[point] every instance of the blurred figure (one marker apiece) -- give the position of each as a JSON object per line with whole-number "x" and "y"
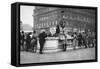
{"x": 42, "y": 37}
{"x": 75, "y": 42}
{"x": 57, "y": 29}
{"x": 28, "y": 41}
{"x": 25, "y": 37}
{"x": 84, "y": 39}
{"x": 79, "y": 40}
{"x": 94, "y": 39}
{"x": 34, "y": 42}
{"x": 91, "y": 39}
{"x": 22, "y": 40}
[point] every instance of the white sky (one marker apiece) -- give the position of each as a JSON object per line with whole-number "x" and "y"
{"x": 26, "y": 13}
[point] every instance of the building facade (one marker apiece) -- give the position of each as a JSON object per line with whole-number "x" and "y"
{"x": 75, "y": 19}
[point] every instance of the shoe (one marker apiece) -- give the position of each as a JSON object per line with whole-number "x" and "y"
{"x": 64, "y": 50}
{"x": 41, "y": 53}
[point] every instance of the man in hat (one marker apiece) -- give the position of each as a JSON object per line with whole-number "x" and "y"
{"x": 42, "y": 37}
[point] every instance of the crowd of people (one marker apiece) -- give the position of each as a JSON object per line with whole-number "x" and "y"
{"x": 29, "y": 43}
{"x": 79, "y": 39}
{"x": 83, "y": 39}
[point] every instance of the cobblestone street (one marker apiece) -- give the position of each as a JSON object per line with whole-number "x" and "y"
{"x": 70, "y": 55}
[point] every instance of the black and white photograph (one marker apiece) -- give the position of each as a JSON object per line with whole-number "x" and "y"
{"x": 56, "y": 34}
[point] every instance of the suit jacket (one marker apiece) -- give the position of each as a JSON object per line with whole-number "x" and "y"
{"x": 42, "y": 36}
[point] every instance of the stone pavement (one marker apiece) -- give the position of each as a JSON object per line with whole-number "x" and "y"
{"x": 70, "y": 55}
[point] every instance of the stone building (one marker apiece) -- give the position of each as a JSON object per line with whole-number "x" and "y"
{"x": 75, "y": 19}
